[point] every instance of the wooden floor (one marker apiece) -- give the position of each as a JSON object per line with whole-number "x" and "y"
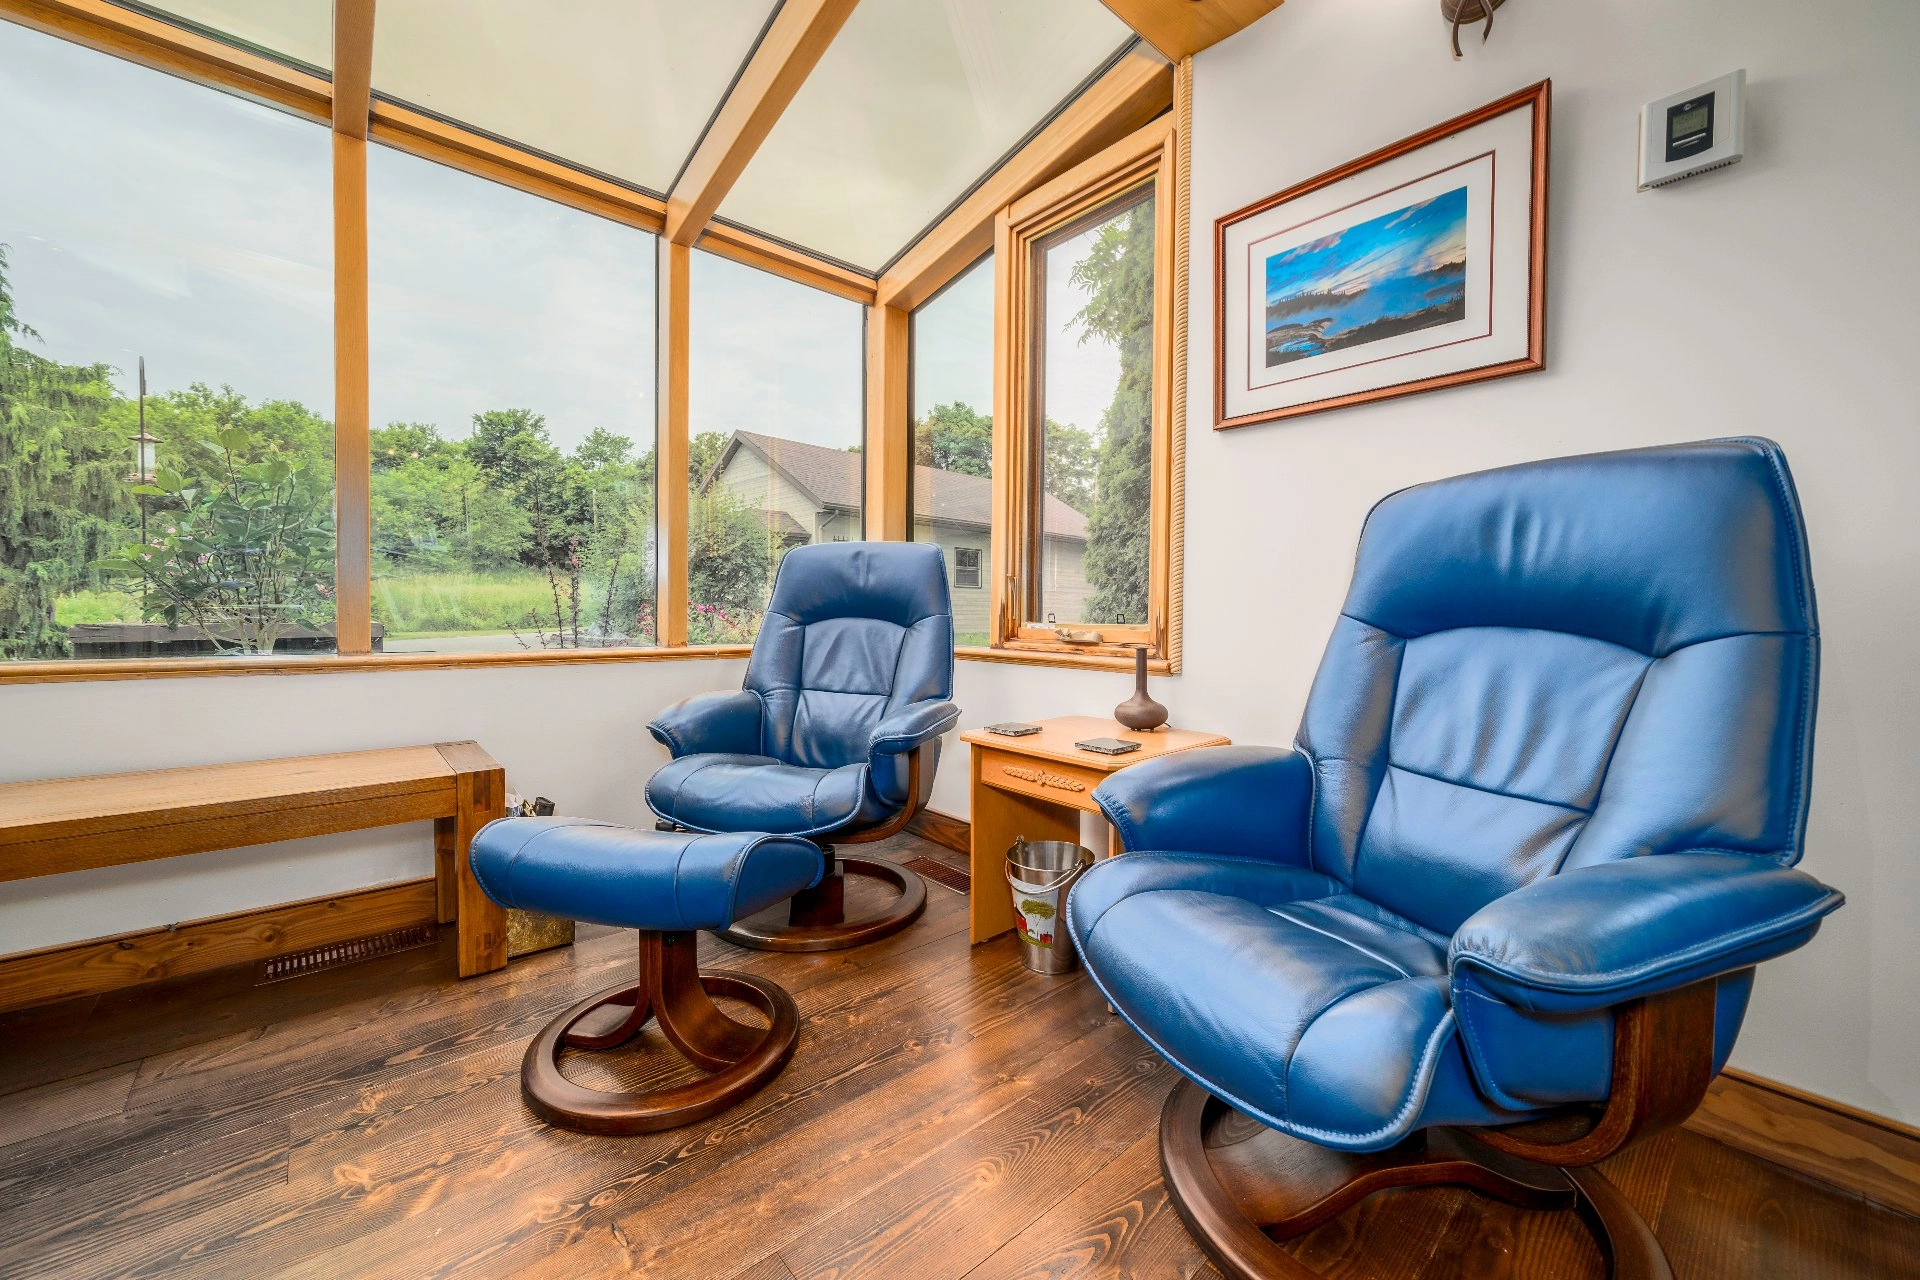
{"x": 947, "y": 1114}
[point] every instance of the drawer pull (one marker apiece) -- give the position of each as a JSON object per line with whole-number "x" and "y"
{"x": 1040, "y": 777}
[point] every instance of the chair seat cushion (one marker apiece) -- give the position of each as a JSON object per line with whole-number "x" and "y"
{"x": 604, "y": 873}
{"x": 1282, "y": 993}
{"x": 759, "y": 793}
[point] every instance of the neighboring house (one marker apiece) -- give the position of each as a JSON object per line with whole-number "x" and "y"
{"x": 812, "y": 494}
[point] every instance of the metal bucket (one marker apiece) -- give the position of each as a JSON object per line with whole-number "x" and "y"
{"x": 1039, "y": 873}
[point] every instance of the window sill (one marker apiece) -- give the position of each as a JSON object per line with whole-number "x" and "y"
{"x": 1062, "y": 657}
{"x": 164, "y": 668}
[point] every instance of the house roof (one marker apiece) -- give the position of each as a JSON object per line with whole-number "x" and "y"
{"x": 832, "y": 478}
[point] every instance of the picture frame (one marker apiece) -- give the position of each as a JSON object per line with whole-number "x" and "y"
{"x": 1417, "y": 266}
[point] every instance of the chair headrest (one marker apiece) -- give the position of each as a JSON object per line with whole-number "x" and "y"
{"x": 897, "y": 582}
{"x": 1653, "y": 549}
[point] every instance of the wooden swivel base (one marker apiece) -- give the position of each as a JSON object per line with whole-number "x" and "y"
{"x": 1239, "y": 1186}
{"x": 817, "y": 917}
{"x": 673, "y": 992}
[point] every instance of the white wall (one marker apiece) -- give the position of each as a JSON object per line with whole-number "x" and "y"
{"x": 575, "y": 733}
{"x": 1789, "y": 282}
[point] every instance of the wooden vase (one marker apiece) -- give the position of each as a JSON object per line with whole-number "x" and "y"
{"x": 1140, "y": 712}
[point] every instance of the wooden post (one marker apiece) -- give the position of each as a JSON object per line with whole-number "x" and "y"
{"x": 889, "y": 442}
{"x": 671, "y": 486}
{"x": 479, "y": 796}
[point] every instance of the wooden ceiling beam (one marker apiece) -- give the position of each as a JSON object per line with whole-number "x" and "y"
{"x": 151, "y": 42}
{"x": 352, "y": 66}
{"x": 1137, "y": 89}
{"x": 1181, "y": 28}
{"x": 798, "y": 36}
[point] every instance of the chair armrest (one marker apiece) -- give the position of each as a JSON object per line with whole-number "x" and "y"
{"x": 1597, "y": 936}
{"x": 911, "y": 726}
{"x": 710, "y": 723}
{"x": 1244, "y": 801}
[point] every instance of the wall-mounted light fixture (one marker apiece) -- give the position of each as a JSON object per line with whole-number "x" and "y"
{"x": 1459, "y": 13}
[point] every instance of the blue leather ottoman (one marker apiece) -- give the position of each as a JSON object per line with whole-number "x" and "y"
{"x": 668, "y": 886}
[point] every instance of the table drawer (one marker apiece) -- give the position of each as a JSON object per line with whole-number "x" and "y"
{"x": 1042, "y": 779}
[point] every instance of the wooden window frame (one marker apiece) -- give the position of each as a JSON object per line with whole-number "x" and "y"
{"x": 1148, "y": 160}
{"x": 1139, "y": 88}
{"x": 345, "y": 104}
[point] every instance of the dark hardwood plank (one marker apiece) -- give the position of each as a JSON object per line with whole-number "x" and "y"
{"x": 768, "y": 1268}
{"x": 48, "y": 1108}
{"x": 46, "y": 1236}
{"x": 810, "y": 1173}
{"x": 1120, "y": 1221}
{"x": 1788, "y": 1225}
{"x": 991, "y": 1182}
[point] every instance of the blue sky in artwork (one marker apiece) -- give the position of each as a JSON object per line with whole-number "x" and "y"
{"x": 1397, "y": 273}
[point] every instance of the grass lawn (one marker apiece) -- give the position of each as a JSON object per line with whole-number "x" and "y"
{"x": 97, "y": 606}
{"x": 439, "y": 604}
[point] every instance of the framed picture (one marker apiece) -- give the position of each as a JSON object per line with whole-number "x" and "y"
{"x": 1422, "y": 265}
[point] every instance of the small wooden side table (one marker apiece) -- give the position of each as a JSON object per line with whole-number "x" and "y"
{"x": 1037, "y": 786}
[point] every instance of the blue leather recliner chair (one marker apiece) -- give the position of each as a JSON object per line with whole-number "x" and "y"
{"x": 835, "y": 735}
{"x": 1497, "y": 912}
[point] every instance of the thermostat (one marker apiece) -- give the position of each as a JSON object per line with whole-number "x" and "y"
{"x": 1692, "y": 132}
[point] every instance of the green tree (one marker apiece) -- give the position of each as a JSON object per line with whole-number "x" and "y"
{"x": 63, "y": 489}
{"x": 1070, "y": 465}
{"x": 399, "y": 443}
{"x": 729, "y": 563}
{"x": 703, "y": 454}
{"x": 242, "y": 554}
{"x": 955, "y": 437}
{"x": 602, "y": 448}
{"x": 1117, "y": 274}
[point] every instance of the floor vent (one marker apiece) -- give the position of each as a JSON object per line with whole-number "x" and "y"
{"x": 941, "y": 873}
{"x": 335, "y": 955}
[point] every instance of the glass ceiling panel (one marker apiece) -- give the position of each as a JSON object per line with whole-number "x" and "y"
{"x": 914, "y": 101}
{"x": 620, "y": 86}
{"x": 297, "y": 29}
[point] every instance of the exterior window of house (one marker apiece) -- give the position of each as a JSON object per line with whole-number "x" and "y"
{"x": 776, "y": 427}
{"x": 1086, "y": 449}
{"x": 147, "y": 222}
{"x": 512, "y": 371}
{"x": 952, "y": 404}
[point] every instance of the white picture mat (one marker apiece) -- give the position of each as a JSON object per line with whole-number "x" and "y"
{"x": 1507, "y": 143}
{"x": 1476, "y": 175}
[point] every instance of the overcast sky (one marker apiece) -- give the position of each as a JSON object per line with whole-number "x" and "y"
{"x": 147, "y": 216}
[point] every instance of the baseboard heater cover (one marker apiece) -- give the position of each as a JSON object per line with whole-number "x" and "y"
{"x": 336, "y": 955}
{"x": 940, "y": 873}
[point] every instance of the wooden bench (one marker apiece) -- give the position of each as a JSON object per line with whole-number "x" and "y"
{"x": 74, "y": 824}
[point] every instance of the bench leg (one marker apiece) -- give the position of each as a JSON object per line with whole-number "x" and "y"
{"x": 446, "y": 870}
{"x": 479, "y": 798}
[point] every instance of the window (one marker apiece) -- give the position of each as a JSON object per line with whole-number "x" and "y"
{"x": 149, "y": 222}
{"x": 512, "y": 397}
{"x": 776, "y": 429}
{"x": 952, "y": 407}
{"x": 1087, "y": 450}
{"x": 966, "y": 567}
